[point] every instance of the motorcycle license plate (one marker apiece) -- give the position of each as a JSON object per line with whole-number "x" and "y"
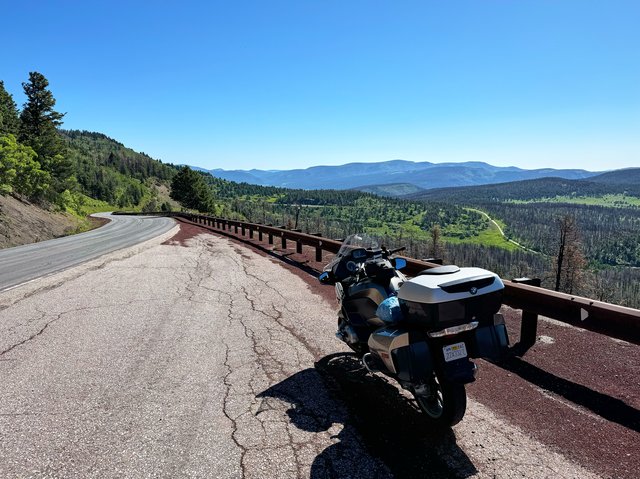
{"x": 454, "y": 351}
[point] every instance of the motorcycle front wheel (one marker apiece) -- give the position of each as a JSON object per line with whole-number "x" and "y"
{"x": 445, "y": 405}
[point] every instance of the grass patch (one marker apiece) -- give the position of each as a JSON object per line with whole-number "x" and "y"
{"x": 618, "y": 200}
{"x": 490, "y": 236}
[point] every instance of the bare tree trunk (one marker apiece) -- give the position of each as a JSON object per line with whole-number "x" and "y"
{"x": 570, "y": 262}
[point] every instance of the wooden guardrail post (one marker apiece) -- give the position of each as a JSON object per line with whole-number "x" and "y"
{"x": 299, "y": 247}
{"x": 529, "y": 323}
{"x": 284, "y": 241}
{"x": 319, "y": 252}
{"x": 259, "y": 234}
{"x": 250, "y": 232}
{"x": 242, "y": 229}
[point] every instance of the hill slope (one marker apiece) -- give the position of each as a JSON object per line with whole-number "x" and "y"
{"x": 23, "y": 223}
{"x": 543, "y": 188}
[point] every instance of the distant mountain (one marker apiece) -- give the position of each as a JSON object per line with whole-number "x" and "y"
{"x": 423, "y": 175}
{"x": 626, "y": 176}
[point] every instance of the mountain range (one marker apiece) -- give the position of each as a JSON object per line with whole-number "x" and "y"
{"x": 403, "y": 175}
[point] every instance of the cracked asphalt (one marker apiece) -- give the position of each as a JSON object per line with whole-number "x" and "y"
{"x": 205, "y": 359}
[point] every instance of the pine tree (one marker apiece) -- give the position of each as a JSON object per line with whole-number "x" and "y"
{"x": 9, "y": 120}
{"x": 38, "y": 129}
{"x": 190, "y": 189}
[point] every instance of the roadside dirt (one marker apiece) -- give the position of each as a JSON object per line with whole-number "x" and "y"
{"x": 23, "y": 223}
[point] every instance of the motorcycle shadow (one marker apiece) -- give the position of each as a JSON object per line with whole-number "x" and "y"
{"x": 375, "y": 417}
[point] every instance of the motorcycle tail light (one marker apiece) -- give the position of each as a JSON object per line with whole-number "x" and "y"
{"x": 453, "y": 330}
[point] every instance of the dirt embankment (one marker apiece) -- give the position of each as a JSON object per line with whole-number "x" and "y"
{"x": 23, "y": 223}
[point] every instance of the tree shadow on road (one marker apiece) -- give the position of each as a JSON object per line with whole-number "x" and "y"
{"x": 375, "y": 416}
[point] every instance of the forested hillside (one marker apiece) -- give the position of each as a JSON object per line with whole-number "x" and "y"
{"x": 107, "y": 170}
{"x": 539, "y": 189}
{"x": 71, "y": 171}
{"x": 606, "y": 211}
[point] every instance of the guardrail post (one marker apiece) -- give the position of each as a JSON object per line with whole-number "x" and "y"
{"x": 259, "y": 235}
{"x": 319, "y": 252}
{"x": 236, "y": 228}
{"x": 270, "y": 238}
{"x": 242, "y": 229}
{"x": 250, "y": 232}
{"x": 284, "y": 242}
{"x": 299, "y": 247}
{"x": 529, "y": 324}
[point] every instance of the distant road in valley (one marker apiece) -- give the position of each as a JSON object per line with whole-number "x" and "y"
{"x": 502, "y": 232}
{"x": 25, "y": 263}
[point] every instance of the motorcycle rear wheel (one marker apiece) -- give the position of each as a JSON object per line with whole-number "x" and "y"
{"x": 446, "y": 405}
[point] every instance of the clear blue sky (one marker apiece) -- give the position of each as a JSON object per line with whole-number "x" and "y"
{"x": 284, "y": 84}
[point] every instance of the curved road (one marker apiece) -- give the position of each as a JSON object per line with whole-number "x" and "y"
{"x": 21, "y": 264}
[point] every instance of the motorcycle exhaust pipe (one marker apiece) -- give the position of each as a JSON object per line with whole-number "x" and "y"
{"x": 369, "y": 367}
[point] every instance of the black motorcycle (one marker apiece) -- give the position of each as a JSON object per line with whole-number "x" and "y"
{"x": 421, "y": 331}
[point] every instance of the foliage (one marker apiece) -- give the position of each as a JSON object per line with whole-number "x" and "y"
{"x": 189, "y": 188}
{"x": 38, "y": 129}
{"x": 19, "y": 171}
{"x": 9, "y": 120}
{"x": 105, "y": 169}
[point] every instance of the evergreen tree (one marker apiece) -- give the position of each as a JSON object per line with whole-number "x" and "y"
{"x": 9, "y": 120}
{"x": 190, "y": 189}
{"x": 38, "y": 129}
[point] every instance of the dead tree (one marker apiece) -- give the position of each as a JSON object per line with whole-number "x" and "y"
{"x": 569, "y": 262}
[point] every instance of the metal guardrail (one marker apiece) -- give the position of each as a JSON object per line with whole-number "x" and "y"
{"x": 609, "y": 319}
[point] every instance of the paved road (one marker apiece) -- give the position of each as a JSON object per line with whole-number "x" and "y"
{"x": 24, "y": 263}
{"x": 212, "y": 361}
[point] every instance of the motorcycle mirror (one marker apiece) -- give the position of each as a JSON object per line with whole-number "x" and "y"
{"x": 324, "y": 277}
{"x": 399, "y": 263}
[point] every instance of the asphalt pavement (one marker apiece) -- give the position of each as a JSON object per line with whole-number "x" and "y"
{"x": 205, "y": 359}
{"x": 25, "y": 263}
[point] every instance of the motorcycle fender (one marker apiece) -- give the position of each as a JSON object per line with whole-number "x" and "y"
{"x": 491, "y": 342}
{"x": 461, "y": 371}
{"x": 413, "y": 363}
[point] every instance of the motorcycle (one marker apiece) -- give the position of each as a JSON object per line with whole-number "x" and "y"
{"x": 421, "y": 331}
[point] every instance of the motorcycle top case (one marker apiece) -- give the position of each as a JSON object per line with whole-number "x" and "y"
{"x": 449, "y": 295}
